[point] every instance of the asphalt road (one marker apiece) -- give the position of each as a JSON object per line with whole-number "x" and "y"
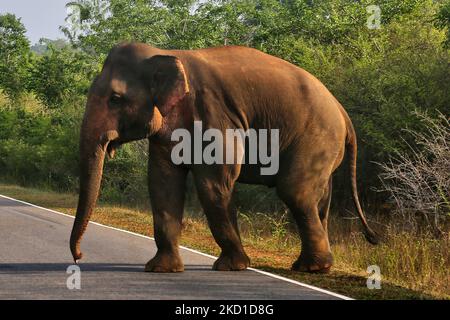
{"x": 35, "y": 256}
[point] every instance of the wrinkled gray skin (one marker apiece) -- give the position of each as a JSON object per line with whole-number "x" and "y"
{"x": 144, "y": 92}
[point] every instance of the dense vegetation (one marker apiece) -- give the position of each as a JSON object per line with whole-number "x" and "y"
{"x": 382, "y": 76}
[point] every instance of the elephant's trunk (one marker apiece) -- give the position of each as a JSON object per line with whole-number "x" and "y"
{"x": 92, "y": 155}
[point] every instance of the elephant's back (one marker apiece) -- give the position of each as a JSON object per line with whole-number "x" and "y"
{"x": 238, "y": 61}
{"x": 250, "y": 73}
{"x": 265, "y": 92}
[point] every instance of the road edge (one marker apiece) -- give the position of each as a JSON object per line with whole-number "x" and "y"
{"x": 334, "y": 294}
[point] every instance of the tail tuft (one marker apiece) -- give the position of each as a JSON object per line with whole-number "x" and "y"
{"x": 371, "y": 237}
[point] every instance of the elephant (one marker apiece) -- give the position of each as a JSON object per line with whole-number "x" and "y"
{"x": 144, "y": 92}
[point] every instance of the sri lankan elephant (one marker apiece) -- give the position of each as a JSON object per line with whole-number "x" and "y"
{"x": 144, "y": 92}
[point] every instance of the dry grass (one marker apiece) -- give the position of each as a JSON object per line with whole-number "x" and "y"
{"x": 412, "y": 267}
{"x": 415, "y": 261}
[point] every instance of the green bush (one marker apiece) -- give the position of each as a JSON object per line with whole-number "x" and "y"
{"x": 34, "y": 148}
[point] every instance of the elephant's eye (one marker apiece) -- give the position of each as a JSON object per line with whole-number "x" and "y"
{"x": 116, "y": 100}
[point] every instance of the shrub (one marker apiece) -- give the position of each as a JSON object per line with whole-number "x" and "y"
{"x": 419, "y": 182}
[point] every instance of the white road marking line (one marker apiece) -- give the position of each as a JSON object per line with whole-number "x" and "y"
{"x": 337, "y": 295}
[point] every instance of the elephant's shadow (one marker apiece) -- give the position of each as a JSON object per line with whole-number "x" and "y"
{"x": 23, "y": 268}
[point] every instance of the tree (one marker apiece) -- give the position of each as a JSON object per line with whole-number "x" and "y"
{"x": 43, "y": 45}
{"x": 443, "y": 20}
{"x": 14, "y": 55}
{"x": 60, "y": 74}
{"x": 98, "y": 25}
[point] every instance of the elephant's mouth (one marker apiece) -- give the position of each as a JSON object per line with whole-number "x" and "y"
{"x": 126, "y": 135}
{"x": 112, "y": 147}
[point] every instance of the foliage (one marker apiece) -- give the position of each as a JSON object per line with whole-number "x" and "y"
{"x": 442, "y": 20}
{"x": 14, "y": 53}
{"x": 44, "y": 44}
{"x": 185, "y": 24}
{"x": 125, "y": 176}
{"x": 37, "y": 146}
{"x": 61, "y": 74}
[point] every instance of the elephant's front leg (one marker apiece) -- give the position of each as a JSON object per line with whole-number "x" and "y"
{"x": 167, "y": 189}
{"x": 215, "y": 196}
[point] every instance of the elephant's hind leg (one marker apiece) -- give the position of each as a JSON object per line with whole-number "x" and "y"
{"x": 324, "y": 205}
{"x": 306, "y": 195}
{"x": 315, "y": 253}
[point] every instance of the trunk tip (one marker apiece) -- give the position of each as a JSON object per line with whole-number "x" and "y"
{"x": 77, "y": 258}
{"x": 77, "y": 255}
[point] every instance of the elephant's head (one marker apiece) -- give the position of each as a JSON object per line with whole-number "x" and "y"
{"x": 137, "y": 88}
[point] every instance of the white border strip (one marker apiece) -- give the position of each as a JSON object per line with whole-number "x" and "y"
{"x": 337, "y": 295}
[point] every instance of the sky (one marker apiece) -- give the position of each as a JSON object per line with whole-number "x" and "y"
{"x": 41, "y": 18}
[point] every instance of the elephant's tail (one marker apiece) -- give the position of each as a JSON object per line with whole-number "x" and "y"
{"x": 351, "y": 146}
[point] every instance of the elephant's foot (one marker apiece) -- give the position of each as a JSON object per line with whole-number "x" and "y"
{"x": 232, "y": 262}
{"x": 314, "y": 263}
{"x": 165, "y": 263}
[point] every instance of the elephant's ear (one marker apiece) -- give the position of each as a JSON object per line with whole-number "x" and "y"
{"x": 167, "y": 80}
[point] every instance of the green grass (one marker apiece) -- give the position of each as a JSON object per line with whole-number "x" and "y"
{"x": 412, "y": 267}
